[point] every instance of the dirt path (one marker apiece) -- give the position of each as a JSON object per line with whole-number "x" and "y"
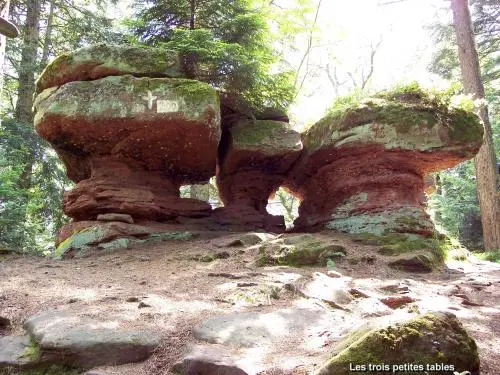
{"x": 180, "y": 291}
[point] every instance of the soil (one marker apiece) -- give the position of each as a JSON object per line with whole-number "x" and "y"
{"x": 180, "y": 290}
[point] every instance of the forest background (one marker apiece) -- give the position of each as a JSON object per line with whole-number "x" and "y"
{"x": 296, "y": 54}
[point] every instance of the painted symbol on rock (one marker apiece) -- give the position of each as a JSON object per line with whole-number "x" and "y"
{"x": 165, "y": 106}
{"x": 150, "y": 98}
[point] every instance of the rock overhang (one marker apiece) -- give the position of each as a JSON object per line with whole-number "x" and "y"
{"x": 437, "y": 136}
{"x": 139, "y": 118}
{"x": 102, "y": 60}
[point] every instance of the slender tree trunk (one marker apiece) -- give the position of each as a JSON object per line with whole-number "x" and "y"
{"x": 190, "y": 60}
{"x": 192, "y": 17}
{"x": 47, "y": 40}
{"x": 28, "y": 62}
{"x": 4, "y": 13}
{"x": 28, "y": 67}
{"x": 485, "y": 161}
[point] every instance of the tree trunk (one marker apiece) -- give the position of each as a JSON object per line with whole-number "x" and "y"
{"x": 192, "y": 17}
{"x": 28, "y": 62}
{"x": 47, "y": 40}
{"x": 26, "y": 89}
{"x": 4, "y": 13}
{"x": 485, "y": 161}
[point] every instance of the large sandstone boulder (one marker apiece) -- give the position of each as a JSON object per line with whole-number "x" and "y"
{"x": 131, "y": 142}
{"x": 103, "y": 60}
{"x": 435, "y": 339}
{"x": 364, "y": 166}
{"x": 67, "y": 338}
{"x": 256, "y": 156}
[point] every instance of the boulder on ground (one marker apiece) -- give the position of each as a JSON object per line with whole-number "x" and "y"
{"x": 436, "y": 339}
{"x": 208, "y": 360}
{"x": 17, "y": 351}
{"x": 299, "y": 250}
{"x": 67, "y": 338}
{"x": 83, "y": 238}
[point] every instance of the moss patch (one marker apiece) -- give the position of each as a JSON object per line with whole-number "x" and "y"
{"x": 51, "y": 370}
{"x": 110, "y": 60}
{"x": 409, "y": 110}
{"x": 91, "y": 238}
{"x": 404, "y": 220}
{"x": 32, "y": 352}
{"x": 298, "y": 251}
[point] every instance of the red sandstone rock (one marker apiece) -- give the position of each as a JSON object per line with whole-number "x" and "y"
{"x": 124, "y": 187}
{"x": 257, "y": 156}
{"x": 103, "y": 60}
{"x": 131, "y": 142}
{"x": 363, "y": 169}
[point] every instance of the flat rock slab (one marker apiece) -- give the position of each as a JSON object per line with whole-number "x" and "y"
{"x": 13, "y": 351}
{"x": 67, "y": 338}
{"x": 334, "y": 291}
{"x": 104, "y": 60}
{"x": 208, "y": 360}
{"x": 251, "y": 329}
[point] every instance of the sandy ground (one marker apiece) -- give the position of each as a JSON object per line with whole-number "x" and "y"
{"x": 181, "y": 291}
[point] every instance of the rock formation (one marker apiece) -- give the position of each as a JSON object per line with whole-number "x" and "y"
{"x": 435, "y": 342}
{"x": 129, "y": 142}
{"x": 130, "y": 131}
{"x": 252, "y": 165}
{"x": 363, "y": 167}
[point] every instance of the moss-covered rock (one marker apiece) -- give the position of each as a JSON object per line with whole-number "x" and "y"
{"x": 428, "y": 340}
{"x": 403, "y": 220}
{"x": 107, "y": 237}
{"x": 410, "y": 252}
{"x": 255, "y": 157}
{"x": 127, "y": 97}
{"x": 102, "y": 60}
{"x": 364, "y": 164}
{"x": 416, "y": 262}
{"x": 266, "y": 137}
{"x": 166, "y": 124}
{"x": 405, "y": 118}
{"x": 302, "y": 250}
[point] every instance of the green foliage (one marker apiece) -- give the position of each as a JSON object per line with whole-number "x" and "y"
{"x": 30, "y": 193}
{"x": 455, "y": 203}
{"x": 227, "y": 44}
{"x": 492, "y": 256}
{"x": 456, "y": 206}
{"x": 32, "y": 179}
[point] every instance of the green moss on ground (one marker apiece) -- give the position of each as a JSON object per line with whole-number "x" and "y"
{"x": 393, "y": 244}
{"x": 298, "y": 251}
{"x": 32, "y": 352}
{"x": 93, "y": 237}
{"x": 52, "y": 370}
